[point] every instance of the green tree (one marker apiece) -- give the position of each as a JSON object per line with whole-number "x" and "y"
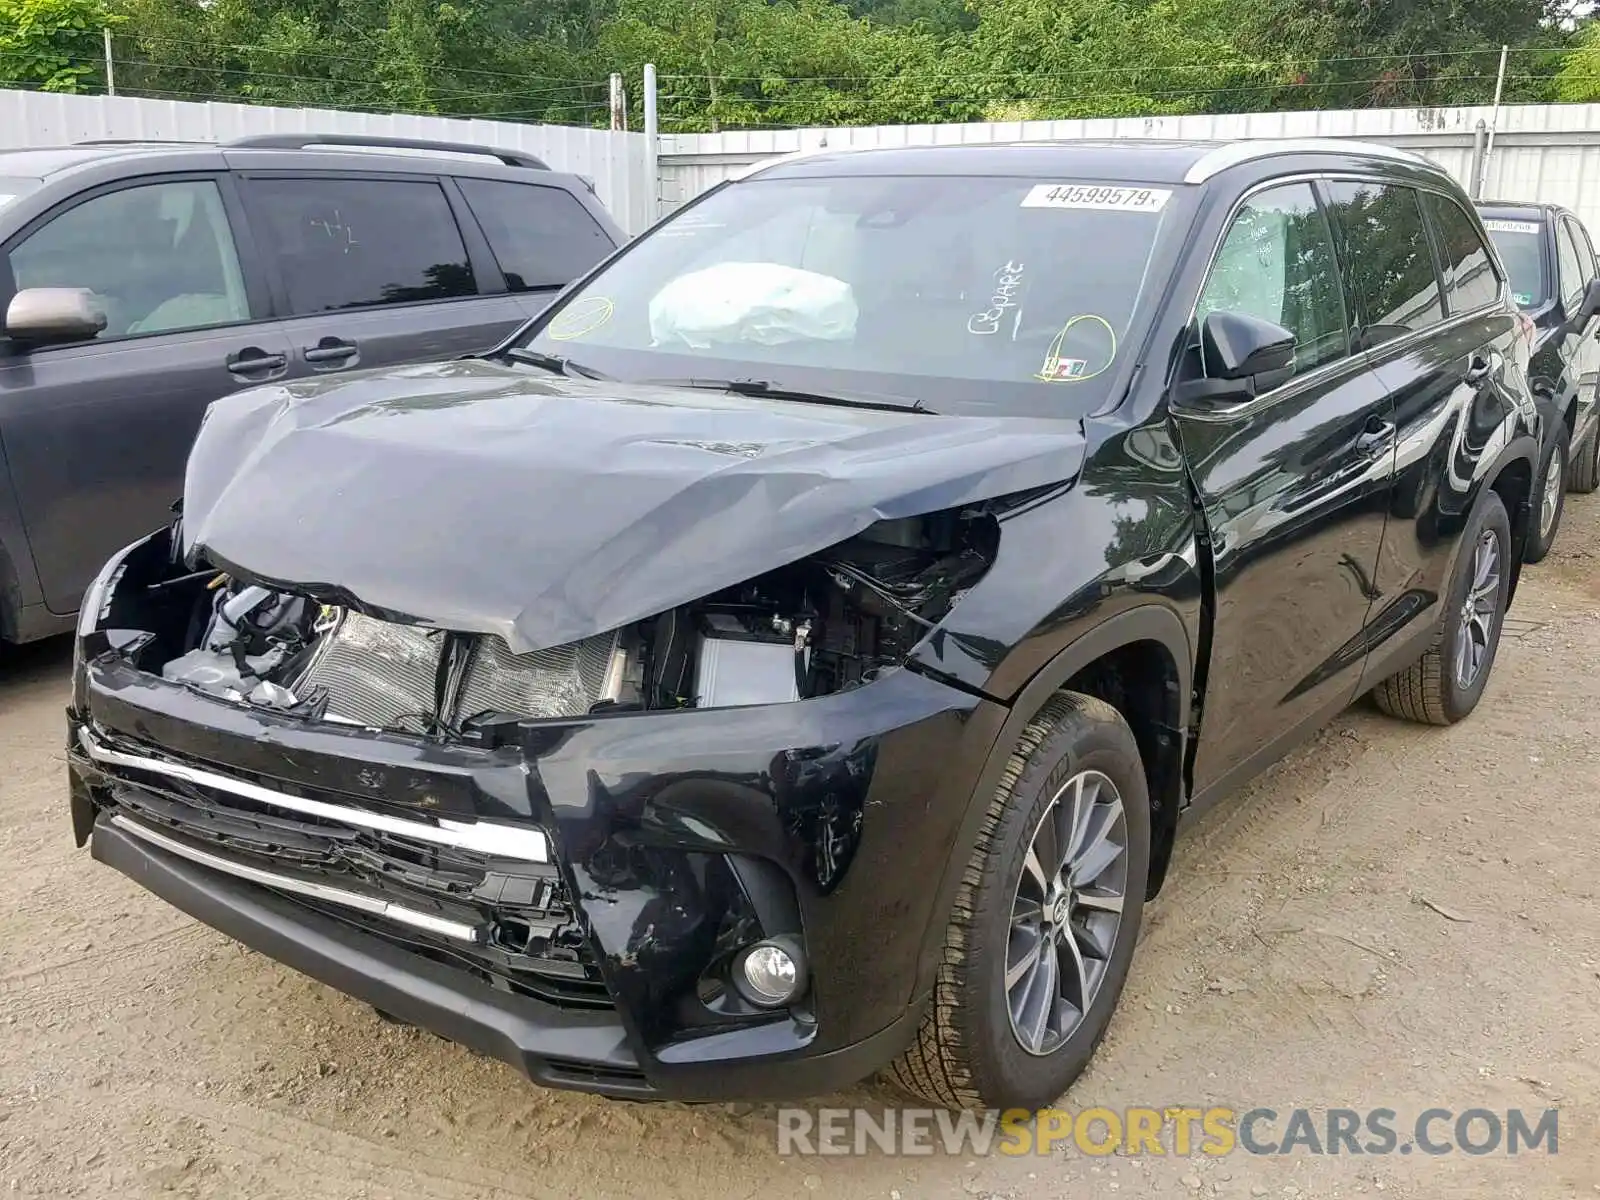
{"x": 1356, "y": 54}
{"x": 1043, "y": 59}
{"x": 52, "y": 45}
{"x": 1578, "y": 80}
{"x": 728, "y": 63}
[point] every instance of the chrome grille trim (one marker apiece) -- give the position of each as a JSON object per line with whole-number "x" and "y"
{"x": 303, "y": 887}
{"x": 485, "y": 837}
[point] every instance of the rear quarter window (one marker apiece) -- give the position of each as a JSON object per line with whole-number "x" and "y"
{"x": 542, "y": 237}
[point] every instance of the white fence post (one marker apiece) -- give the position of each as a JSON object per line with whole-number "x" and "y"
{"x": 652, "y": 141}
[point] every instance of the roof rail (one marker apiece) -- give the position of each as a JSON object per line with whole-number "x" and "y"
{"x": 306, "y": 141}
{"x": 1234, "y": 153}
{"x": 141, "y": 142}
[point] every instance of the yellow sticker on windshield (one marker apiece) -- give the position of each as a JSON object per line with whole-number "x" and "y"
{"x": 580, "y": 318}
{"x": 1060, "y": 368}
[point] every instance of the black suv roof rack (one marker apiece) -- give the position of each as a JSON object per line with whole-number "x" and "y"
{"x": 303, "y": 141}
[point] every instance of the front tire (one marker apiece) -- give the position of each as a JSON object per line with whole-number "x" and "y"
{"x": 1550, "y": 495}
{"x": 1046, "y": 918}
{"x": 1445, "y": 684}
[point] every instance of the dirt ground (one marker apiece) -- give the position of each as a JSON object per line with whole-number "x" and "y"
{"x": 1395, "y": 916}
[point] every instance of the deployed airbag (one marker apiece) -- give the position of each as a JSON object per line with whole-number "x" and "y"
{"x": 753, "y": 302}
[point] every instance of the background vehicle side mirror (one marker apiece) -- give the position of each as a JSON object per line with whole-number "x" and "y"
{"x": 1244, "y": 356}
{"x": 41, "y": 315}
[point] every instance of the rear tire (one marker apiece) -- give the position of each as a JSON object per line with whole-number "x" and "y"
{"x": 1584, "y": 473}
{"x": 1073, "y": 791}
{"x": 1549, "y": 500}
{"x": 1445, "y": 684}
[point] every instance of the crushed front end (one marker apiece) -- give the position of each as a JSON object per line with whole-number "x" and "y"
{"x": 563, "y": 858}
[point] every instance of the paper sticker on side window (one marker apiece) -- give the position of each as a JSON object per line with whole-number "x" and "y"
{"x": 1092, "y": 196}
{"x": 1511, "y": 226}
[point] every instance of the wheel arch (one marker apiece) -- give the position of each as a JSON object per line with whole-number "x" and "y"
{"x": 1128, "y": 647}
{"x": 1511, "y": 479}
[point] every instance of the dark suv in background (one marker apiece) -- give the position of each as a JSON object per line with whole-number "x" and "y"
{"x": 1554, "y": 280}
{"x": 141, "y": 281}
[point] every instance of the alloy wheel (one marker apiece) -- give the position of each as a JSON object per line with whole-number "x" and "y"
{"x": 1550, "y": 497}
{"x": 1479, "y": 611}
{"x": 1066, "y": 911}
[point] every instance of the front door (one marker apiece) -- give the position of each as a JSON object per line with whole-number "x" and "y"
{"x": 1291, "y": 488}
{"x": 97, "y": 434}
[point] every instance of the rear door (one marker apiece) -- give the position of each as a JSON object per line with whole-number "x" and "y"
{"x": 97, "y": 433}
{"x": 1292, "y": 487}
{"x": 1453, "y": 380}
{"x": 370, "y": 270}
{"x": 541, "y": 236}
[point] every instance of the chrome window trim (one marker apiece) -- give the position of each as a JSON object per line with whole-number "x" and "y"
{"x": 1326, "y": 370}
{"x": 300, "y": 887}
{"x": 484, "y": 837}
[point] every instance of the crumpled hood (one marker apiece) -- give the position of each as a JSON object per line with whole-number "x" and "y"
{"x": 491, "y": 499}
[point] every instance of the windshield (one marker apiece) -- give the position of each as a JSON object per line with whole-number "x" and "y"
{"x": 1521, "y": 248}
{"x": 960, "y": 293}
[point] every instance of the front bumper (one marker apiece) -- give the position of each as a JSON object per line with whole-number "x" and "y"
{"x": 553, "y": 1046}
{"x": 852, "y": 802}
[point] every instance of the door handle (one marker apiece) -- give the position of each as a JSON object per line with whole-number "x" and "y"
{"x": 254, "y": 361}
{"x": 1374, "y": 437}
{"x": 329, "y": 350}
{"x": 1478, "y": 369}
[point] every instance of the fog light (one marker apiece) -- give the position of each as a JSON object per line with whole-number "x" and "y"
{"x": 773, "y": 972}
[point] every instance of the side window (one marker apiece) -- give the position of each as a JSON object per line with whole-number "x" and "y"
{"x": 354, "y": 243}
{"x": 1470, "y": 278}
{"x": 1568, "y": 270}
{"x": 1277, "y": 262}
{"x": 1388, "y": 262}
{"x": 159, "y": 258}
{"x": 542, "y": 237}
{"x": 1580, "y": 242}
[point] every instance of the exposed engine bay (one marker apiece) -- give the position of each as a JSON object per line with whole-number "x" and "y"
{"x": 829, "y": 622}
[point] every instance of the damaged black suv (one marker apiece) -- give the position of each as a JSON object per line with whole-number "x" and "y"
{"x": 795, "y": 651}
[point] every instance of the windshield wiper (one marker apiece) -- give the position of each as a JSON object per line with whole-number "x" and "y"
{"x": 550, "y": 362}
{"x": 765, "y": 389}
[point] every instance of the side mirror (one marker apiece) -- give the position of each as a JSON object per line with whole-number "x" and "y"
{"x": 1243, "y": 355}
{"x": 1588, "y": 307}
{"x": 41, "y": 315}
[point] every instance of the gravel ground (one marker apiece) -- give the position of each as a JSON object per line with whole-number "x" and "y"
{"x": 1395, "y": 916}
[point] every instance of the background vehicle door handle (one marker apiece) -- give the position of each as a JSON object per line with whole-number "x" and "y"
{"x": 1374, "y": 437}
{"x": 329, "y": 351}
{"x": 1478, "y": 369}
{"x": 254, "y": 361}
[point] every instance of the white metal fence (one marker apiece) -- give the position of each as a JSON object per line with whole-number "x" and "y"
{"x": 1546, "y": 152}
{"x": 617, "y": 162}
{"x": 1541, "y": 152}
